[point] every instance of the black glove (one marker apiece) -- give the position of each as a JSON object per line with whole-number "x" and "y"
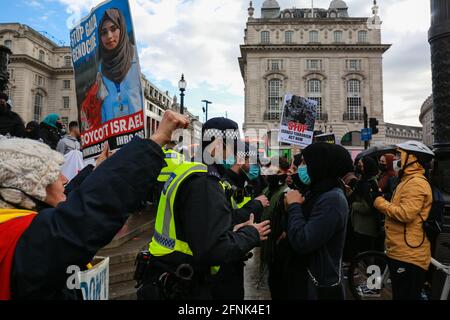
{"x": 375, "y": 193}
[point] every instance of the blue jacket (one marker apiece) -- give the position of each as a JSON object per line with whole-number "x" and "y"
{"x": 320, "y": 233}
{"x": 73, "y": 232}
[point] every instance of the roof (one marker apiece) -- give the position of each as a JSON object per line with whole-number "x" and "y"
{"x": 338, "y": 4}
{"x": 270, "y": 4}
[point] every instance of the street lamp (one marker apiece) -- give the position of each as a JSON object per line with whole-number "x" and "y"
{"x": 205, "y": 110}
{"x": 182, "y": 84}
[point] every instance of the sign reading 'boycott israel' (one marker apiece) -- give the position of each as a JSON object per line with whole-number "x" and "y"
{"x": 108, "y": 78}
{"x": 297, "y": 121}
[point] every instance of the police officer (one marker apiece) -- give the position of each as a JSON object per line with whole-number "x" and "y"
{"x": 193, "y": 233}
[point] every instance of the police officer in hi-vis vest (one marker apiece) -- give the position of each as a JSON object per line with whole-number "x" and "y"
{"x": 194, "y": 234}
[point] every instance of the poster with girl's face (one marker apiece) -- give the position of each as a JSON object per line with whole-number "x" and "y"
{"x": 108, "y": 78}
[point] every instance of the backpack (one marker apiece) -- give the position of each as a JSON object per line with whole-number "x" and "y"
{"x": 434, "y": 223}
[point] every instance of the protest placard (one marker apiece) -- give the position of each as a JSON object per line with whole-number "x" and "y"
{"x": 108, "y": 78}
{"x": 94, "y": 283}
{"x": 297, "y": 121}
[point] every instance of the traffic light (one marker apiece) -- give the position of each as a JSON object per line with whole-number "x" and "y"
{"x": 373, "y": 123}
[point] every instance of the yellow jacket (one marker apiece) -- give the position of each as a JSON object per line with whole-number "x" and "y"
{"x": 412, "y": 197}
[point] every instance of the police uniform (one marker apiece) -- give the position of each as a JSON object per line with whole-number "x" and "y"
{"x": 192, "y": 230}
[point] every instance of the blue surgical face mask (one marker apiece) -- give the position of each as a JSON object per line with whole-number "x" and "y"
{"x": 254, "y": 171}
{"x": 303, "y": 175}
{"x": 229, "y": 162}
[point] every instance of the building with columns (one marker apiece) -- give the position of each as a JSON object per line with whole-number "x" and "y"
{"x": 426, "y": 118}
{"x": 320, "y": 54}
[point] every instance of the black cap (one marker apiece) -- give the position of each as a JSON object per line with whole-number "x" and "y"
{"x": 220, "y": 128}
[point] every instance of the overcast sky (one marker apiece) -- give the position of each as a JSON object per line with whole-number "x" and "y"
{"x": 201, "y": 39}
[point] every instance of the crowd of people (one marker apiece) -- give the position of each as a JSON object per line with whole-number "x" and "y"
{"x": 310, "y": 216}
{"x": 51, "y": 130}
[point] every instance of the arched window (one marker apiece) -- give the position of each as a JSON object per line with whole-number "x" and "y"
{"x": 289, "y": 35}
{"x": 338, "y": 36}
{"x": 315, "y": 93}
{"x": 275, "y": 99}
{"x": 265, "y": 37}
{"x": 41, "y": 55}
{"x": 38, "y": 100}
{"x": 354, "y": 100}
{"x": 8, "y": 43}
{"x": 314, "y": 36}
{"x": 362, "y": 36}
{"x": 67, "y": 61}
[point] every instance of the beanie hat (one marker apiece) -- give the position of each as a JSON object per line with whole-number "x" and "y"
{"x": 27, "y": 167}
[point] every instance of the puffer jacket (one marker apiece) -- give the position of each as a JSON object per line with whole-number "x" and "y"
{"x": 409, "y": 207}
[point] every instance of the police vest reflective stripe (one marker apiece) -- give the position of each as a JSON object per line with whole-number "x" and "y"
{"x": 173, "y": 160}
{"x": 227, "y": 187}
{"x": 244, "y": 202}
{"x": 165, "y": 240}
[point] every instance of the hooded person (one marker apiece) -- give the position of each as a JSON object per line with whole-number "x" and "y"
{"x": 32, "y": 131}
{"x": 194, "y": 222}
{"x": 43, "y": 231}
{"x": 118, "y": 76}
{"x": 387, "y": 179}
{"x": 11, "y": 124}
{"x": 50, "y": 130}
{"x": 317, "y": 221}
{"x": 407, "y": 246}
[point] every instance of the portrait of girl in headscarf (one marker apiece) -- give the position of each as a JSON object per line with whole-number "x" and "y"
{"x": 118, "y": 77}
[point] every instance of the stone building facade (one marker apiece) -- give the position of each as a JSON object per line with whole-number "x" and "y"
{"x": 426, "y": 118}
{"x": 396, "y": 133}
{"x": 321, "y": 54}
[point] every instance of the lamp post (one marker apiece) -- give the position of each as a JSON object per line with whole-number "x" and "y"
{"x": 182, "y": 86}
{"x": 205, "y": 110}
{"x": 439, "y": 39}
{"x": 4, "y": 61}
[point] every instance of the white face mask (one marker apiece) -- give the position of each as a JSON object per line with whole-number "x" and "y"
{"x": 397, "y": 165}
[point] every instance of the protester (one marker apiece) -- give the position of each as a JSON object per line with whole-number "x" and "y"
{"x": 193, "y": 232}
{"x": 43, "y": 231}
{"x": 50, "y": 130}
{"x": 388, "y": 177}
{"x": 317, "y": 221}
{"x": 366, "y": 221}
{"x": 407, "y": 246}
{"x": 10, "y": 122}
{"x": 32, "y": 131}
{"x": 70, "y": 141}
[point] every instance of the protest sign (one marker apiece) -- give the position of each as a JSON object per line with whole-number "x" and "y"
{"x": 297, "y": 121}
{"x": 108, "y": 78}
{"x": 94, "y": 283}
{"x": 73, "y": 164}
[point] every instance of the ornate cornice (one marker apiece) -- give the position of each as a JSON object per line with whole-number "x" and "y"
{"x": 316, "y": 47}
{"x": 39, "y": 64}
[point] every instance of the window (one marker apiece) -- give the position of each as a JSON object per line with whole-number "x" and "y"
{"x": 354, "y": 100}
{"x": 314, "y": 64}
{"x": 338, "y": 36}
{"x": 265, "y": 37}
{"x": 314, "y": 36}
{"x": 362, "y": 36}
{"x": 11, "y": 74}
{"x": 288, "y": 36}
{"x": 315, "y": 93}
{"x": 68, "y": 61}
{"x": 38, "y": 99}
{"x": 66, "y": 84}
{"x": 8, "y": 43}
{"x": 354, "y": 64}
{"x": 66, "y": 102}
{"x": 41, "y": 55}
{"x": 39, "y": 80}
{"x": 275, "y": 98}
{"x": 274, "y": 64}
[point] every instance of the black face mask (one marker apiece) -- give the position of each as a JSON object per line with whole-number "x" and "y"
{"x": 382, "y": 167}
{"x": 296, "y": 182}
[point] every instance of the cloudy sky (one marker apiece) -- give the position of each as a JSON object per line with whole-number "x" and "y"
{"x": 201, "y": 39}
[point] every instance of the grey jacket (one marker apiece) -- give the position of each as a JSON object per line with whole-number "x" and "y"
{"x": 67, "y": 144}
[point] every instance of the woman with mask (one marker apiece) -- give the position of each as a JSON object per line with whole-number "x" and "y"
{"x": 387, "y": 179}
{"x": 366, "y": 221}
{"x": 50, "y": 130}
{"x": 317, "y": 221}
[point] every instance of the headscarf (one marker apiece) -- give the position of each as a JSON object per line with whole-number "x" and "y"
{"x": 327, "y": 164}
{"x": 51, "y": 120}
{"x": 117, "y": 62}
{"x": 390, "y": 172}
{"x": 370, "y": 168}
{"x": 32, "y": 130}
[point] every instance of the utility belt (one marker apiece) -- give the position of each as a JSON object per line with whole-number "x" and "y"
{"x": 174, "y": 281}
